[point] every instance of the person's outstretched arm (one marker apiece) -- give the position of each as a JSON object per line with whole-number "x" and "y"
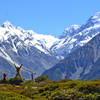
{"x": 15, "y": 65}
{"x": 21, "y": 65}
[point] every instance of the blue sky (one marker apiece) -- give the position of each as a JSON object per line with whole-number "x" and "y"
{"x": 47, "y": 16}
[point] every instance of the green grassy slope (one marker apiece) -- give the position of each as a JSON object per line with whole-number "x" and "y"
{"x": 50, "y": 90}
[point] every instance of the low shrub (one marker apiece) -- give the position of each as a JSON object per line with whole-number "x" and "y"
{"x": 41, "y": 79}
{"x": 16, "y": 81}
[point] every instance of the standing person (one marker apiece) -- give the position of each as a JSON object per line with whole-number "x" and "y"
{"x": 18, "y": 71}
{"x": 32, "y": 75}
{"x": 4, "y": 75}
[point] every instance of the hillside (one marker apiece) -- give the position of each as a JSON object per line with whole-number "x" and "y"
{"x": 83, "y": 63}
{"x": 51, "y": 90}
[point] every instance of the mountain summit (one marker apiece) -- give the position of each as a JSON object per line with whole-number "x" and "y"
{"x": 95, "y": 18}
{"x": 76, "y": 36}
{"x": 70, "y": 31}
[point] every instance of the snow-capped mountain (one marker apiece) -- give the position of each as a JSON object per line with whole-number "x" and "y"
{"x": 76, "y": 36}
{"x": 39, "y": 52}
{"x": 25, "y": 46}
{"x": 83, "y": 63}
{"x": 29, "y": 37}
{"x": 80, "y": 45}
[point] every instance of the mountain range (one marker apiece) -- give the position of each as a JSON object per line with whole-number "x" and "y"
{"x": 39, "y": 53}
{"x": 24, "y": 47}
{"x": 82, "y": 51}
